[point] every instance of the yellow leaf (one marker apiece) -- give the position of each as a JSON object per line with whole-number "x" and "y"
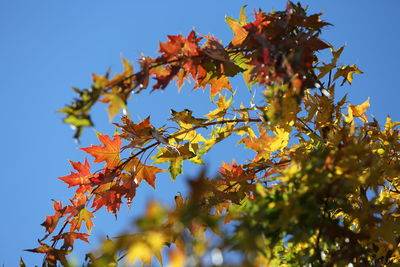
{"x": 281, "y": 139}
{"x": 139, "y": 251}
{"x": 155, "y": 240}
{"x": 389, "y": 125}
{"x": 265, "y": 144}
{"x": 99, "y": 81}
{"x": 239, "y": 32}
{"x": 83, "y": 215}
{"x": 243, "y": 17}
{"x": 177, "y": 258}
{"x": 115, "y": 104}
{"x": 347, "y": 73}
{"x": 359, "y": 110}
{"x": 144, "y": 247}
{"x": 186, "y": 117}
{"x": 187, "y": 134}
{"x": 223, "y": 105}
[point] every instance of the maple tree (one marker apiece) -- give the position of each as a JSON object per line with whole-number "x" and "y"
{"x": 322, "y": 187}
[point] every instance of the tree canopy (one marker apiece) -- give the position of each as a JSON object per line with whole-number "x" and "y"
{"x": 321, "y": 188}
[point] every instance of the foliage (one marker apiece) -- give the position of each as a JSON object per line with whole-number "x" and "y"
{"x": 322, "y": 187}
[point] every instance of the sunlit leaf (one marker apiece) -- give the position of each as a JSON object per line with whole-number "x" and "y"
{"x": 108, "y": 152}
{"x": 175, "y": 157}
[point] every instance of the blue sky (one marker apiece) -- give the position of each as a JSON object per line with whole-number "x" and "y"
{"x": 49, "y": 46}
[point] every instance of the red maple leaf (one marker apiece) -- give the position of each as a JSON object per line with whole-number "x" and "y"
{"x": 232, "y": 171}
{"x": 109, "y": 152}
{"x": 82, "y": 177}
{"x": 110, "y": 196}
{"x": 51, "y": 221}
{"x": 70, "y": 237}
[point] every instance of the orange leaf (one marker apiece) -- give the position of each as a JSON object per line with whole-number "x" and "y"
{"x": 109, "y": 152}
{"x": 52, "y": 255}
{"x": 141, "y": 171}
{"x": 234, "y": 171}
{"x": 219, "y": 84}
{"x": 238, "y": 30}
{"x": 82, "y": 177}
{"x": 110, "y": 196}
{"x": 70, "y": 237}
{"x": 51, "y": 221}
{"x": 138, "y": 134}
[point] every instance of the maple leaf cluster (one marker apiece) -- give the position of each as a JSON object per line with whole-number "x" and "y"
{"x": 321, "y": 187}
{"x": 275, "y": 49}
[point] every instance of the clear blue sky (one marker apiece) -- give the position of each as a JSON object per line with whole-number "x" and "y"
{"x": 49, "y": 46}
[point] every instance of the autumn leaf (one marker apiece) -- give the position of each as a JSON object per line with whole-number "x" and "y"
{"x": 110, "y": 196}
{"x": 129, "y": 185}
{"x": 186, "y": 133}
{"x": 109, "y": 152}
{"x": 175, "y": 157}
{"x": 266, "y": 144}
{"x": 179, "y": 45}
{"x": 99, "y": 81}
{"x": 53, "y": 255}
{"x": 186, "y": 116}
{"x": 223, "y": 105}
{"x": 78, "y": 121}
{"x": 145, "y": 246}
{"x": 51, "y": 221}
{"x": 115, "y": 104}
{"x": 137, "y": 133}
{"x": 70, "y": 237}
{"x": 234, "y": 171}
{"x": 177, "y": 258}
{"x": 347, "y": 73}
{"x": 82, "y": 177}
{"x": 240, "y": 33}
{"x": 140, "y": 171}
{"x": 217, "y": 135}
{"x": 243, "y": 17}
{"x": 389, "y": 125}
{"x": 217, "y": 84}
{"x": 83, "y": 215}
{"x": 358, "y": 111}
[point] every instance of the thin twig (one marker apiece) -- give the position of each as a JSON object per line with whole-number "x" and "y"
{"x": 308, "y": 128}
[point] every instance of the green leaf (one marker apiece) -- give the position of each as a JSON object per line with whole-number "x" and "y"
{"x": 78, "y": 121}
{"x": 240, "y": 60}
